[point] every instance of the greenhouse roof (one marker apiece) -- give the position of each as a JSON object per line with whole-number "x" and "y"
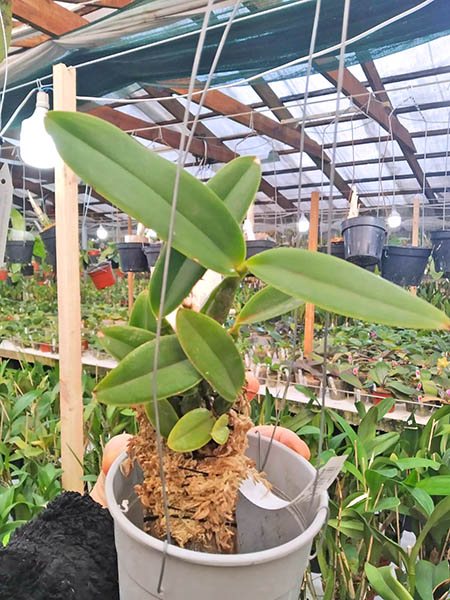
{"x": 394, "y": 117}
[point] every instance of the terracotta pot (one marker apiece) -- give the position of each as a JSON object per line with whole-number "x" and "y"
{"x": 379, "y": 395}
{"x": 84, "y": 345}
{"x": 45, "y": 347}
{"x": 3, "y": 274}
{"x": 102, "y": 275}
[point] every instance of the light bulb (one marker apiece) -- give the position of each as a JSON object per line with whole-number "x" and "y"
{"x": 303, "y": 224}
{"x": 102, "y": 234}
{"x": 394, "y": 220}
{"x": 37, "y": 148}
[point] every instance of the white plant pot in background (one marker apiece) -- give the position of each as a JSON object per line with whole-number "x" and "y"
{"x": 274, "y": 546}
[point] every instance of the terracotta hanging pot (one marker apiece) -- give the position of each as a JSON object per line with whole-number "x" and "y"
{"x": 102, "y": 275}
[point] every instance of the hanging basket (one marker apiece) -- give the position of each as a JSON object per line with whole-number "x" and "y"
{"x": 257, "y": 246}
{"x": 132, "y": 257}
{"x": 151, "y": 252}
{"x": 441, "y": 249}
{"x": 93, "y": 256}
{"x": 364, "y": 239}
{"x": 274, "y": 545}
{"x": 102, "y": 275}
{"x": 48, "y": 237}
{"x": 404, "y": 265}
{"x": 27, "y": 270}
{"x": 19, "y": 252}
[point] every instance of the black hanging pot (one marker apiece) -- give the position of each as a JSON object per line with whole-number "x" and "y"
{"x": 441, "y": 249}
{"x": 132, "y": 257}
{"x": 364, "y": 239}
{"x": 257, "y": 246}
{"x": 404, "y": 265}
{"x": 151, "y": 252}
{"x": 19, "y": 252}
{"x": 48, "y": 236}
{"x": 337, "y": 249}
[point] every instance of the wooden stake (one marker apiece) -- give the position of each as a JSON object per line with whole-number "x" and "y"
{"x": 130, "y": 277}
{"x": 312, "y": 245}
{"x": 415, "y": 230}
{"x": 69, "y": 313}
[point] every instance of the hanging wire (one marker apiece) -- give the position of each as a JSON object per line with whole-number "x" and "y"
{"x": 446, "y": 172}
{"x": 300, "y": 173}
{"x": 5, "y": 80}
{"x": 183, "y": 151}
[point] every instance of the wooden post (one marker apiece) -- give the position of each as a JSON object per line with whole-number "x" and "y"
{"x": 415, "y": 230}
{"x": 312, "y": 245}
{"x": 69, "y": 313}
{"x": 130, "y": 279}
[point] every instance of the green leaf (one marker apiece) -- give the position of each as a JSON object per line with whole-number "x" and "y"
{"x": 385, "y": 584}
{"x": 192, "y": 431}
{"x": 429, "y": 576}
{"x": 212, "y": 351}
{"x": 140, "y": 183}
{"x": 167, "y": 416}
{"x": 422, "y": 499}
{"x": 120, "y": 340}
{"x": 267, "y": 304}
{"x": 182, "y": 275}
{"x": 141, "y": 314}
{"x": 236, "y": 184}
{"x": 131, "y": 382}
{"x": 220, "y": 431}
{"x": 389, "y": 503}
{"x": 351, "y": 379}
{"x": 416, "y": 463}
{"x": 435, "y": 486}
{"x": 344, "y": 288}
{"x": 381, "y": 443}
{"x": 24, "y": 402}
{"x": 221, "y": 299}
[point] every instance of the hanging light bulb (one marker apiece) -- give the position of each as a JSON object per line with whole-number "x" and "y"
{"x": 394, "y": 220}
{"x": 37, "y": 148}
{"x": 303, "y": 224}
{"x": 102, "y": 234}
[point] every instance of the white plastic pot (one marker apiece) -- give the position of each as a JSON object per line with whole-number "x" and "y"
{"x": 274, "y": 546}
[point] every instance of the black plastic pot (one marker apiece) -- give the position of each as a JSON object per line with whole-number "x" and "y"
{"x": 441, "y": 249}
{"x": 19, "y": 252}
{"x": 151, "y": 252}
{"x": 404, "y": 265}
{"x": 132, "y": 257}
{"x": 337, "y": 249}
{"x": 257, "y": 246}
{"x": 364, "y": 239}
{"x": 27, "y": 270}
{"x": 48, "y": 236}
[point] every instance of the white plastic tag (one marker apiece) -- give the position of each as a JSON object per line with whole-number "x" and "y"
{"x": 257, "y": 493}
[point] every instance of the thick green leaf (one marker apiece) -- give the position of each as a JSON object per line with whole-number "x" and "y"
{"x": 192, "y": 431}
{"x": 120, "y": 340}
{"x": 429, "y": 576}
{"x": 236, "y": 184}
{"x": 267, "y": 304}
{"x": 422, "y": 499}
{"x": 435, "y": 486}
{"x": 385, "y": 584}
{"x": 381, "y": 443}
{"x": 131, "y": 382}
{"x": 183, "y": 274}
{"x": 344, "y": 288}
{"x": 416, "y": 463}
{"x": 140, "y": 183}
{"x": 212, "y": 351}
{"x": 141, "y": 314}
{"x": 221, "y": 299}
{"x": 167, "y": 416}
{"x": 220, "y": 431}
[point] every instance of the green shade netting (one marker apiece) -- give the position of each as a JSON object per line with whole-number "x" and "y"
{"x": 253, "y": 46}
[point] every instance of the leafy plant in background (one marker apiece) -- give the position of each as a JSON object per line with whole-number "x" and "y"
{"x": 200, "y": 376}
{"x": 391, "y": 482}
